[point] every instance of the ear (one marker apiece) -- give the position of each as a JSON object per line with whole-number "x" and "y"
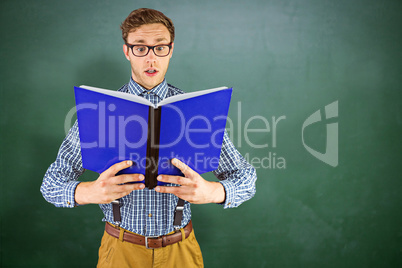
{"x": 171, "y": 51}
{"x": 126, "y": 51}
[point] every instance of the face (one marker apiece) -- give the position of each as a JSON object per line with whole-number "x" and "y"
{"x": 148, "y": 71}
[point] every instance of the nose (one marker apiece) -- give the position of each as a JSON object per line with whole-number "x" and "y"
{"x": 151, "y": 57}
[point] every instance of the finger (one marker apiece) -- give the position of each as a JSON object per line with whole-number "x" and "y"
{"x": 128, "y": 188}
{"x": 174, "y": 179}
{"x": 186, "y": 170}
{"x": 168, "y": 189}
{"x": 127, "y": 178}
{"x": 111, "y": 171}
{"x": 124, "y": 190}
{"x": 177, "y": 191}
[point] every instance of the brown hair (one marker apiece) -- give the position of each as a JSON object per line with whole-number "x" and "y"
{"x": 143, "y": 16}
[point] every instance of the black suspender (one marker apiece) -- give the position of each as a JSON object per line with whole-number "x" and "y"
{"x": 178, "y": 213}
{"x": 116, "y": 212}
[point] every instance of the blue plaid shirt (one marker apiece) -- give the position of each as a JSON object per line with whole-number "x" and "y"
{"x": 145, "y": 212}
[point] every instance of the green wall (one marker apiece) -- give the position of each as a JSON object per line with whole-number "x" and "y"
{"x": 285, "y": 59}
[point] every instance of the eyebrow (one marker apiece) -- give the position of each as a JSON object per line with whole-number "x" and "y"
{"x": 161, "y": 39}
{"x": 142, "y": 41}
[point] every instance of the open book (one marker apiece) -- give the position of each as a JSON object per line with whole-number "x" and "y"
{"x": 116, "y": 126}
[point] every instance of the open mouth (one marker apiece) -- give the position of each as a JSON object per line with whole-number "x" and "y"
{"x": 151, "y": 71}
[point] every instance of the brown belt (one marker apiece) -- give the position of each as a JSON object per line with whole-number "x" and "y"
{"x": 150, "y": 242}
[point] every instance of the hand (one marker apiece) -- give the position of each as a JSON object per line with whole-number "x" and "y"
{"x": 108, "y": 187}
{"x": 193, "y": 188}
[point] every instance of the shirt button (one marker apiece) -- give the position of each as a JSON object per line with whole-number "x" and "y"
{"x": 150, "y": 215}
{"x": 149, "y": 92}
{"x": 68, "y": 203}
{"x": 229, "y": 204}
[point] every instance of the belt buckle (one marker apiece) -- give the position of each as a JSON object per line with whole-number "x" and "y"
{"x": 146, "y": 241}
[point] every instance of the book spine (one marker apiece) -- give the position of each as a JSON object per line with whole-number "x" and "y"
{"x": 152, "y": 157}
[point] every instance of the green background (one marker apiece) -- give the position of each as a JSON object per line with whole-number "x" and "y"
{"x": 283, "y": 58}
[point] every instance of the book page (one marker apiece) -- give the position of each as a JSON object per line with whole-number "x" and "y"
{"x": 188, "y": 95}
{"x": 121, "y": 95}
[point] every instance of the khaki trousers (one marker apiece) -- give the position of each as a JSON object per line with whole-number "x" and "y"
{"x": 116, "y": 253}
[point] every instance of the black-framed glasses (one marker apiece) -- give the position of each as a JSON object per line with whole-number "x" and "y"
{"x": 143, "y": 50}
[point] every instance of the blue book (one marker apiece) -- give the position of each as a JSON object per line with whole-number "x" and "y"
{"x": 116, "y": 126}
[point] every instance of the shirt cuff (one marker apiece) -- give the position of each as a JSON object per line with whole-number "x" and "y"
{"x": 230, "y": 191}
{"x": 69, "y": 194}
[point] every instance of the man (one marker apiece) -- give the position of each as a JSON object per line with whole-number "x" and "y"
{"x": 149, "y": 42}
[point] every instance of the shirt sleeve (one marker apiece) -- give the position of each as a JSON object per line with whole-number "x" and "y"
{"x": 236, "y": 175}
{"x": 61, "y": 178}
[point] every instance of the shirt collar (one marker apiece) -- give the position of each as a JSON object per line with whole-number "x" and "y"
{"x": 160, "y": 90}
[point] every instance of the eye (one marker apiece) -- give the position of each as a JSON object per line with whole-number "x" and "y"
{"x": 140, "y": 49}
{"x": 160, "y": 48}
